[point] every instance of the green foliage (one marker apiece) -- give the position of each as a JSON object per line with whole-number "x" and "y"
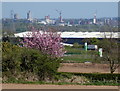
{"x": 93, "y": 41}
{"x": 73, "y": 50}
{"x": 62, "y": 75}
{"x": 95, "y": 79}
{"x": 77, "y": 45}
{"x": 97, "y": 76}
{"x": 110, "y": 52}
{"x": 10, "y": 57}
{"x": 19, "y": 61}
{"x": 98, "y": 83}
{"x": 38, "y": 63}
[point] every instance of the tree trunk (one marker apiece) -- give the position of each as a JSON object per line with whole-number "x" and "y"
{"x": 112, "y": 70}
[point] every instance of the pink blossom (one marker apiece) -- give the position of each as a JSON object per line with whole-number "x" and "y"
{"x": 46, "y": 42}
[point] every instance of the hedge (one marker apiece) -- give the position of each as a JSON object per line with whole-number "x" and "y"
{"x": 96, "y": 76}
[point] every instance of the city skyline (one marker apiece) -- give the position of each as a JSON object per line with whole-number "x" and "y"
{"x": 69, "y": 9}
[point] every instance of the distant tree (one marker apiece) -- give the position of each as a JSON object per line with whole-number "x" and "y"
{"x": 111, "y": 53}
{"x": 93, "y": 41}
{"x": 76, "y": 45}
{"x": 7, "y": 33}
{"x": 108, "y": 28}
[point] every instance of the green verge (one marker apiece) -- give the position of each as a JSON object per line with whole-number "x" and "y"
{"x": 99, "y": 79}
{"x": 65, "y": 83}
{"x": 96, "y": 76}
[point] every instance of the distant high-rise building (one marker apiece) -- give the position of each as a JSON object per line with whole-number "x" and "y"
{"x": 61, "y": 17}
{"x": 29, "y": 16}
{"x": 16, "y": 16}
{"x": 107, "y": 21}
{"x": 94, "y": 20}
{"x": 11, "y": 14}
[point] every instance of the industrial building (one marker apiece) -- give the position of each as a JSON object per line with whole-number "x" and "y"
{"x": 73, "y": 37}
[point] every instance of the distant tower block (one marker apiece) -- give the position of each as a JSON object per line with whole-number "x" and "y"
{"x": 61, "y": 17}
{"x": 94, "y": 20}
{"x": 11, "y": 14}
{"x": 16, "y": 16}
{"x": 29, "y": 16}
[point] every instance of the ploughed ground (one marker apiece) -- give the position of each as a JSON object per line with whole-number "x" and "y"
{"x": 85, "y": 68}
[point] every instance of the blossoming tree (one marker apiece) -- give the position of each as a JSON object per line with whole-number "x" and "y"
{"x": 47, "y": 42}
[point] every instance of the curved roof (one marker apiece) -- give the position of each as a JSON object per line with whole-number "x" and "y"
{"x": 79, "y": 34}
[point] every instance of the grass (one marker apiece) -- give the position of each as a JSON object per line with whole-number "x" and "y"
{"x": 103, "y": 83}
{"x": 77, "y": 58}
{"x": 78, "y": 55}
{"x": 73, "y": 50}
{"x": 106, "y": 82}
{"x": 98, "y": 83}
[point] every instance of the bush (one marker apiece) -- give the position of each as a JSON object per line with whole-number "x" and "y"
{"x": 38, "y": 63}
{"x": 77, "y": 45}
{"x": 10, "y": 57}
{"x": 18, "y": 60}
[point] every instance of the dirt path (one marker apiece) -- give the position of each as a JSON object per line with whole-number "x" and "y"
{"x": 35, "y": 86}
{"x": 85, "y": 68}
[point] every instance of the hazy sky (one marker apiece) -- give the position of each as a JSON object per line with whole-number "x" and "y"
{"x": 69, "y": 9}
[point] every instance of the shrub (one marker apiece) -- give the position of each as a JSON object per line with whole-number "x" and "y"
{"x": 38, "y": 63}
{"x": 18, "y": 60}
{"x": 10, "y": 57}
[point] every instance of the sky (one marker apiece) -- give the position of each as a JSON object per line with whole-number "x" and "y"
{"x": 69, "y": 9}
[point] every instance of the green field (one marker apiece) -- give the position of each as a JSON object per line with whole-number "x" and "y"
{"x": 79, "y": 55}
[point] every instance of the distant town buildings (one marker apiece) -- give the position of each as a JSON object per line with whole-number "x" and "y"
{"x": 47, "y": 20}
{"x": 66, "y": 22}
